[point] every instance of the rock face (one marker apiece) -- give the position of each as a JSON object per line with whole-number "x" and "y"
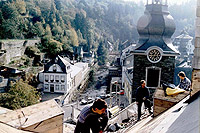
{"x": 13, "y": 49}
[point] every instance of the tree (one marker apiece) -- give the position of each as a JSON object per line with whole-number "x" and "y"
{"x": 21, "y": 6}
{"x": 57, "y": 31}
{"x": 74, "y": 37}
{"x": 48, "y": 30}
{"x": 50, "y": 46}
{"x": 9, "y": 11}
{"x": 20, "y": 95}
{"x": 102, "y": 54}
{"x": 81, "y": 23}
{"x": 37, "y": 30}
{"x": 80, "y": 38}
{"x": 10, "y": 28}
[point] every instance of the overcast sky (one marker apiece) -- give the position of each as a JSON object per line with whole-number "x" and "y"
{"x": 169, "y": 1}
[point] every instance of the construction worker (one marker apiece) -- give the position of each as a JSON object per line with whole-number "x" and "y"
{"x": 185, "y": 83}
{"x": 93, "y": 118}
{"x": 142, "y": 95}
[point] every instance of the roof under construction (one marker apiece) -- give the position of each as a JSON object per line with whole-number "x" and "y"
{"x": 181, "y": 118}
{"x": 31, "y": 115}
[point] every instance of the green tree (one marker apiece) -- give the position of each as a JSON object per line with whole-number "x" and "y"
{"x": 81, "y": 23}
{"x": 74, "y": 37}
{"x": 9, "y": 11}
{"x": 102, "y": 54}
{"x": 50, "y": 46}
{"x": 20, "y": 95}
{"x": 57, "y": 31}
{"x": 21, "y": 6}
{"x": 10, "y": 28}
{"x": 48, "y": 30}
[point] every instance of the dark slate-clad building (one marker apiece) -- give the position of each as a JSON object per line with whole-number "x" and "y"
{"x": 154, "y": 55}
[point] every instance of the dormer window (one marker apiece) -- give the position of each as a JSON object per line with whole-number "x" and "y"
{"x": 54, "y": 68}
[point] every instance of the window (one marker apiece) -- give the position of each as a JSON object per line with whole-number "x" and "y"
{"x": 153, "y": 76}
{"x": 57, "y": 78}
{"x": 46, "y": 78}
{"x": 62, "y": 78}
{"x": 54, "y": 68}
{"x": 46, "y": 87}
{"x": 63, "y": 87}
{"x": 52, "y": 78}
{"x": 51, "y": 88}
{"x": 127, "y": 62}
{"x": 57, "y": 87}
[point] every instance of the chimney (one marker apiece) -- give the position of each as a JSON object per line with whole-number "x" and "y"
{"x": 196, "y": 58}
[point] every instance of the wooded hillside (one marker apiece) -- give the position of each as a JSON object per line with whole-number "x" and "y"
{"x": 65, "y": 24}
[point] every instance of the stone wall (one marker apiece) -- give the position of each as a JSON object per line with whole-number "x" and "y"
{"x": 167, "y": 65}
{"x": 196, "y": 59}
{"x": 14, "y": 49}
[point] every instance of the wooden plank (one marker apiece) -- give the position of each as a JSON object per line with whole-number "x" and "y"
{"x": 34, "y": 114}
{"x": 8, "y": 129}
{"x": 56, "y": 130}
{"x": 55, "y": 123}
{"x": 158, "y": 110}
{"x": 163, "y": 103}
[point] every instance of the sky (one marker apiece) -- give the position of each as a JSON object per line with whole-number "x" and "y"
{"x": 170, "y": 2}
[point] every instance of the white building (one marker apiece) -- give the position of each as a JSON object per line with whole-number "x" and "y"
{"x": 126, "y": 60}
{"x": 60, "y": 76}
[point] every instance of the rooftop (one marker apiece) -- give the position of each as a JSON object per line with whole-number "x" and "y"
{"x": 30, "y": 115}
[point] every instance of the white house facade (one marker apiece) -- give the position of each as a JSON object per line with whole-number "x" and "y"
{"x": 60, "y": 76}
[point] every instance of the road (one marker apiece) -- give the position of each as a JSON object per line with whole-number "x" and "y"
{"x": 91, "y": 92}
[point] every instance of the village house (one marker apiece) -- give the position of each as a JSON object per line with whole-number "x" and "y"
{"x": 60, "y": 76}
{"x": 8, "y": 74}
{"x": 185, "y": 46}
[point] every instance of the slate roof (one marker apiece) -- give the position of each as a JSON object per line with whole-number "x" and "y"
{"x": 184, "y": 35}
{"x": 155, "y": 28}
{"x": 181, "y": 118}
{"x": 60, "y": 61}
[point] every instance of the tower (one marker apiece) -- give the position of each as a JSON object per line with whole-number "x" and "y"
{"x": 154, "y": 56}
